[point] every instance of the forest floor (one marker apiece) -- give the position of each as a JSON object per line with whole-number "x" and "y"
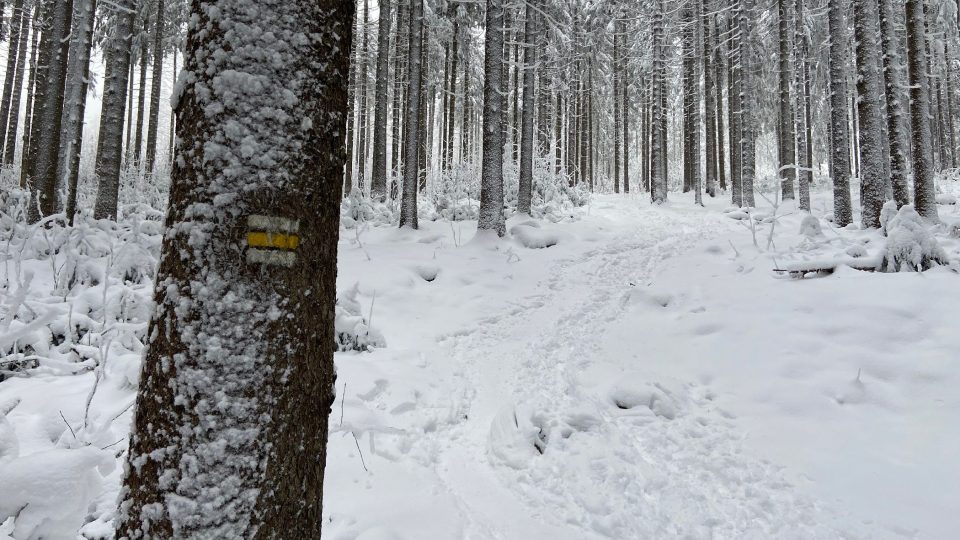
{"x": 647, "y": 375}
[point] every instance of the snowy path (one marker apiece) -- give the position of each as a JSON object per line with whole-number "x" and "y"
{"x": 581, "y": 449}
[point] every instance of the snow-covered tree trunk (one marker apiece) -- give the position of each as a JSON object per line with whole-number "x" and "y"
{"x": 142, "y": 90}
{"x": 872, "y": 180}
{"x": 840, "y": 151}
{"x": 616, "y": 107}
{"x": 709, "y": 91}
{"x": 921, "y": 139}
{"x": 26, "y": 141}
{"x": 378, "y": 180}
{"x": 230, "y": 430}
{"x": 530, "y": 32}
{"x": 658, "y": 188}
{"x": 720, "y": 60}
{"x": 691, "y": 84}
{"x": 491, "y": 175}
{"x": 734, "y": 91}
{"x": 13, "y": 122}
{"x": 48, "y": 111}
{"x": 625, "y": 101}
{"x": 110, "y": 140}
{"x": 362, "y": 121}
{"x": 749, "y": 125}
{"x": 451, "y": 109}
{"x": 787, "y": 139}
{"x": 75, "y": 99}
{"x": 801, "y": 87}
{"x": 411, "y": 122}
{"x": 156, "y": 78}
{"x": 15, "y": 60}
{"x": 400, "y": 81}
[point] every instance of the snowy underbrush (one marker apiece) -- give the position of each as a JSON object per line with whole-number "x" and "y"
{"x": 454, "y": 195}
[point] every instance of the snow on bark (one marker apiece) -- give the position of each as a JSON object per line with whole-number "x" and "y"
{"x": 156, "y": 77}
{"x": 840, "y": 152}
{"x": 411, "y": 124}
{"x": 229, "y": 436}
{"x": 15, "y": 59}
{"x": 524, "y": 194}
{"x": 110, "y": 139}
{"x": 924, "y": 194}
{"x": 872, "y": 180}
{"x": 491, "y": 176}
{"x": 75, "y": 99}
{"x": 378, "y": 180}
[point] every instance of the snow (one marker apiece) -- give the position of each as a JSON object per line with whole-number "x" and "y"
{"x": 647, "y": 375}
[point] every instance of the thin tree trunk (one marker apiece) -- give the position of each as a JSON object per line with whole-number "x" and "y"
{"x": 748, "y": 100}
{"x": 788, "y": 137}
{"x": 44, "y": 199}
{"x": 141, "y": 96}
{"x": 530, "y": 31}
{"x": 361, "y": 179}
{"x": 491, "y": 176}
{"x": 110, "y": 140}
{"x": 617, "y": 103}
{"x": 801, "y": 88}
{"x": 870, "y": 122}
{"x": 75, "y": 99}
{"x": 15, "y": 60}
{"x": 128, "y": 153}
{"x": 156, "y": 78}
{"x": 924, "y": 192}
{"x": 12, "y": 117}
{"x": 735, "y": 107}
{"x": 840, "y": 154}
{"x": 625, "y": 88}
{"x": 411, "y": 124}
{"x": 173, "y": 117}
{"x": 378, "y": 181}
{"x": 26, "y": 141}
{"x": 658, "y": 191}
{"x": 710, "y": 89}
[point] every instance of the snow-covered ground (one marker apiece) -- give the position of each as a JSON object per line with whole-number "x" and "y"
{"x": 648, "y": 375}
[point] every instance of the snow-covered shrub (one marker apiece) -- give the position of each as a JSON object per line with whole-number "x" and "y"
{"x": 810, "y": 227}
{"x": 910, "y": 244}
{"x": 353, "y": 332}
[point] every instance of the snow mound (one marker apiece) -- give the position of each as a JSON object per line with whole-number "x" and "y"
{"x": 910, "y": 244}
{"x": 353, "y": 332}
{"x": 810, "y": 227}
{"x": 532, "y": 236}
{"x": 946, "y": 198}
{"x": 49, "y": 492}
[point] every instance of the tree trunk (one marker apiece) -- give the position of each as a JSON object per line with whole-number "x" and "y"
{"x": 411, "y": 124}
{"x": 735, "y": 107}
{"x": 452, "y": 96}
{"x": 748, "y": 100}
{"x": 617, "y": 96}
{"x": 173, "y": 117}
{"x": 217, "y": 370}
{"x": 840, "y": 154}
{"x": 361, "y": 179}
{"x": 921, "y": 140}
{"x": 378, "y": 181}
{"x": 719, "y": 64}
{"x": 400, "y": 81}
{"x": 788, "y": 137}
{"x": 110, "y": 141}
{"x": 48, "y": 112}
{"x": 15, "y": 60}
{"x": 75, "y": 100}
{"x": 128, "y": 153}
{"x": 11, "y": 118}
{"x": 625, "y": 100}
{"x": 658, "y": 191}
{"x": 31, "y": 95}
{"x": 530, "y": 30}
{"x": 491, "y": 175}
{"x": 710, "y": 89}
{"x": 801, "y": 88}
{"x": 872, "y": 181}
{"x": 141, "y": 95}
{"x": 155, "y": 89}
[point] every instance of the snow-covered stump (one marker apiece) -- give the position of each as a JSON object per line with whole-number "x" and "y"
{"x": 911, "y": 246}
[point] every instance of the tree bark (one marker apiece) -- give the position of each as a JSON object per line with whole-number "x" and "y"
{"x": 491, "y": 175}
{"x": 156, "y": 78}
{"x": 44, "y": 199}
{"x": 15, "y": 60}
{"x": 75, "y": 100}
{"x": 230, "y": 431}
{"x": 530, "y": 31}
{"x": 840, "y": 152}
{"x": 788, "y": 138}
{"x": 710, "y": 89}
{"x": 658, "y": 191}
{"x": 411, "y": 124}
{"x": 872, "y": 181}
{"x": 31, "y": 94}
{"x": 378, "y": 180}
{"x": 110, "y": 141}
{"x": 141, "y": 95}
{"x": 924, "y": 192}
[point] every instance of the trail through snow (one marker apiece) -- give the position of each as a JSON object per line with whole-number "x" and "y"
{"x": 545, "y": 443}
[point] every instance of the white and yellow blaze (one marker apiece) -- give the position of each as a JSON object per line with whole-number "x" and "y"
{"x": 272, "y": 240}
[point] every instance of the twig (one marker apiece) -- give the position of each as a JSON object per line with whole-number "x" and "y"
{"x": 360, "y": 451}
{"x": 68, "y": 426}
{"x": 342, "y": 399}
